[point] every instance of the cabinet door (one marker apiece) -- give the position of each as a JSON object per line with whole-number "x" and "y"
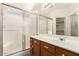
{"x": 45, "y": 52}
{"x": 35, "y": 47}
{"x": 63, "y": 52}
{"x": 59, "y": 52}
{"x": 68, "y": 53}
{"x": 31, "y": 46}
{"x": 35, "y": 50}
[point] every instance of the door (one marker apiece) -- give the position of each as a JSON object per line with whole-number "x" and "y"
{"x": 12, "y": 30}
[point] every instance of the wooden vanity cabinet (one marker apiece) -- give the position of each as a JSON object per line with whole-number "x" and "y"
{"x": 40, "y": 48}
{"x": 35, "y": 47}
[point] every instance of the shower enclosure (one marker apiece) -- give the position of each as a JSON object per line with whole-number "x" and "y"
{"x": 11, "y": 30}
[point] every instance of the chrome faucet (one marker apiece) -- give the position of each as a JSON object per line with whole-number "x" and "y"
{"x": 63, "y": 38}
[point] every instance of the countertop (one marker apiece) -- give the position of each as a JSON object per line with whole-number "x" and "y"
{"x": 69, "y": 43}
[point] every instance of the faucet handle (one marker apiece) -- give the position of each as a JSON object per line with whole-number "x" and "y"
{"x": 61, "y": 39}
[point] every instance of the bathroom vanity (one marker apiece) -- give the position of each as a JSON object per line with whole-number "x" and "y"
{"x": 52, "y": 46}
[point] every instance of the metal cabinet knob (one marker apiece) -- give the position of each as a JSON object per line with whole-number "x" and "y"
{"x": 46, "y": 47}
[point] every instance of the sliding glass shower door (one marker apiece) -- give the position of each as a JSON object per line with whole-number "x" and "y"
{"x": 12, "y": 30}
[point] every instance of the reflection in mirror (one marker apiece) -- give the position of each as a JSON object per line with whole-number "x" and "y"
{"x": 74, "y": 25}
{"x": 42, "y": 25}
{"x": 50, "y": 26}
{"x": 60, "y": 26}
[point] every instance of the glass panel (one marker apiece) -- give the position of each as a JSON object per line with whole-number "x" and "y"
{"x": 74, "y": 25}
{"x": 50, "y": 23}
{"x": 29, "y": 19}
{"x": 12, "y": 42}
{"x": 12, "y": 30}
{"x": 43, "y": 25}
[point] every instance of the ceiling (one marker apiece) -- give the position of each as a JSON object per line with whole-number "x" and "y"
{"x": 38, "y": 7}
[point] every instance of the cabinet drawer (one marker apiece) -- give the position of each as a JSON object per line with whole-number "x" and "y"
{"x": 59, "y": 52}
{"x": 48, "y": 47}
{"x": 35, "y": 41}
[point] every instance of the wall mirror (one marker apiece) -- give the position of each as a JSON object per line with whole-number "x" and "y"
{"x": 64, "y": 26}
